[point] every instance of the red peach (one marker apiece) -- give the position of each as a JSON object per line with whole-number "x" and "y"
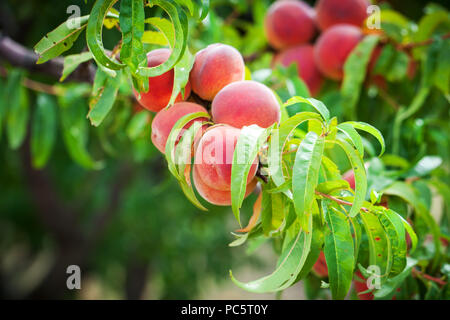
{"x": 160, "y": 87}
{"x": 214, "y": 157}
{"x": 332, "y": 12}
{"x": 216, "y": 66}
{"x": 165, "y": 120}
{"x": 333, "y": 47}
{"x": 320, "y": 267}
{"x": 244, "y": 103}
{"x": 303, "y": 56}
{"x": 289, "y": 23}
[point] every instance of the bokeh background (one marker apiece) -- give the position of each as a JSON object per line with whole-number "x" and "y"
{"x": 128, "y": 225}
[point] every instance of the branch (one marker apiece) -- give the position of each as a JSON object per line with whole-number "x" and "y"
{"x": 411, "y": 45}
{"x": 346, "y": 203}
{"x": 439, "y": 281}
{"x": 21, "y": 57}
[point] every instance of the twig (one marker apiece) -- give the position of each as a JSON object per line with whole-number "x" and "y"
{"x": 407, "y": 46}
{"x": 439, "y": 281}
{"x": 339, "y": 200}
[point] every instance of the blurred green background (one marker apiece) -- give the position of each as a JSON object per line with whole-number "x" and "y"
{"x": 128, "y": 226}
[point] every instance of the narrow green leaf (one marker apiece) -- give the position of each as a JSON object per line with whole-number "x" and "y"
{"x": 61, "y": 39}
{"x": 18, "y": 109}
{"x": 380, "y": 250}
{"x": 181, "y": 75}
{"x": 43, "y": 130}
{"x": 369, "y": 129}
{"x": 353, "y": 135}
{"x": 138, "y": 124}
{"x": 154, "y": 37}
{"x": 339, "y": 252}
{"x": 355, "y": 71}
{"x": 103, "y": 101}
{"x": 278, "y": 141}
{"x": 94, "y": 35}
{"x": 71, "y": 62}
{"x": 249, "y": 142}
{"x": 75, "y": 128}
{"x": 393, "y": 224}
{"x": 305, "y": 175}
{"x": 329, "y": 187}
{"x": 316, "y": 104}
{"x": 289, "y": 266}
{"x": 360, "y": 176}
{"x": 180, "y": 27}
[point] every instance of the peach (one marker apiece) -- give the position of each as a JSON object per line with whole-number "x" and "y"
{"x": 303, "y": 56}
{"x": 213, "y": 163}
{"x": 332, "y": 12}
{"x": 360, "y": 286}
{"x": 289, "y": 23}
{"x": 165, "y": 120}
{"x": 320, "y": 267}
{"x": 216, "y": 66}
{"x": 333, "y": 48}
{"x": 244, "y": 103}
{"x": 160, "y": 87}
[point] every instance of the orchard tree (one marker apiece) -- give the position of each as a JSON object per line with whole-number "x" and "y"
{"x": 239, "y": 117}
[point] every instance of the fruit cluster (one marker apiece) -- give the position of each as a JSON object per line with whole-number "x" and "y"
{"x": 217, "y": 78}
{"x": 292, "y": 25}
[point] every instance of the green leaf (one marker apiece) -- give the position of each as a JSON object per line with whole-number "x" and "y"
{"x": 424, "y": 166}
{"x": 329, "y": 187}
{"x": 339, "y": 252}
{"x": 94, "y": 35}
{"x": 181, "y": 75}
{"x": 71, "y": 62}
{"x": 138, "y": 124}
{"x": 3, "y": 105}
{"x": 104, "y": 99}
{"x": 408, "y": 194}
{"x": 391, "y": 284}
{"x": 247, "y": 147}
{"x": 132, "y": 53}
{"x": 305, "y": 174}
{"x": 380, "y": 250}
{"x": 173, "y": 137}
{"x": 18, "y": 110}
{"x": 369, "y": 129}
{"x": 353, "y": 135}
{"x": 165, "y": 27}
{"x": 278, "y": 141}
{"x": 316, "y": 104}
{"x": 442, "y": 73}
{"x": 355, "y": 72}
{"x": 360, "y": 176}
{"x": 393, "y": 224}
{"x": 289, "y": 266}
{"x": 59, "y": 40}
{"x": 75, "y": 128}
{"x": 179, "y": 38}
{"x": 43, "y": 130}
{"x": 154, "y": 37}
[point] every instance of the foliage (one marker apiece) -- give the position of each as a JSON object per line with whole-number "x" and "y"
{"x": 306, "y": 205}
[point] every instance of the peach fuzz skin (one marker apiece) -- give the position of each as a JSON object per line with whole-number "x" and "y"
{"x": 245, "y": 103}
{"x": 332, "y": 12}
{"x": 160, "y": 87}
{"x": 213, "y": 162}
{"x": 303, "y": 57}
{"x": 164, "y": 121}
{"x": 216, "y": 66}
{"x": 333, "y": 48}
{"x": 289, "y": 23}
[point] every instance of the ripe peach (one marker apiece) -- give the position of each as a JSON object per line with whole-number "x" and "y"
{"x": 332, "y": 12}
{"x": 213, "y": 163}
{"x": 289, "y": 23}
{"x": 216, "y": 66}
{"x": 165, "y": 120}
{"x": 303, "y": 56}
{"x": 320, "y": 267}
{"x": 361, "y": 286}
{"x": 244, "y": 103}
{"x": 333, "y": 47}
{"x": 160, "y": 87}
